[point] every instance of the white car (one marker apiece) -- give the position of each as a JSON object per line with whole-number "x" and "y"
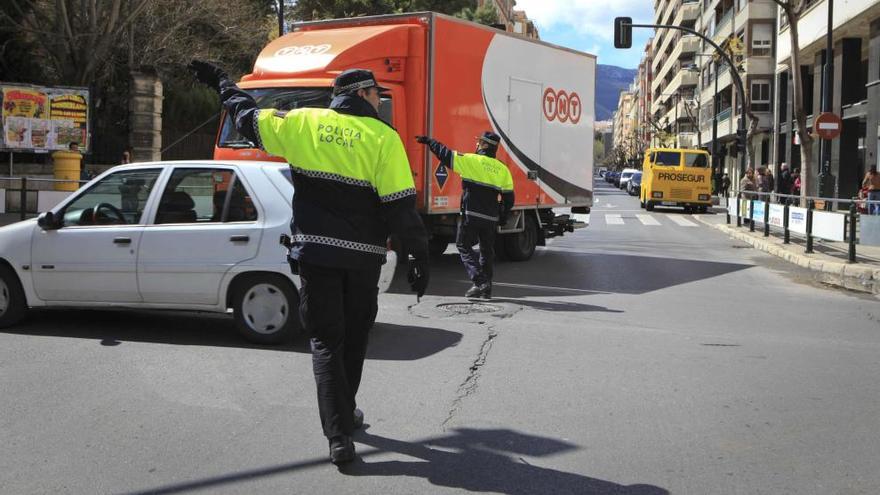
{"x": 625, "y": 175}
{"x": 197, "y": 235}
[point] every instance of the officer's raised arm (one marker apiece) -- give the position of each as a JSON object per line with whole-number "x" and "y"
{"x": 444, "y": 154}
{"x": 241, "y": 106}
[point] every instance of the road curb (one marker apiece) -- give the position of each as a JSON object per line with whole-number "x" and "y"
{"x": 855, "y": 277}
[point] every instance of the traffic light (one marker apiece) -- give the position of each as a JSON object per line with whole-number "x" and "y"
{"x": 623, "y": 32}
{"x": 741, "y": 135}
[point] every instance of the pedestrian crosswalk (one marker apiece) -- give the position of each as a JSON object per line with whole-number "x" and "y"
{"x": 649, "y": 220}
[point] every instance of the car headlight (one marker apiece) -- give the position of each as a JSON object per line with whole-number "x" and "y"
{"x": 657, "y": 194}
{"x": 703, "y": 197}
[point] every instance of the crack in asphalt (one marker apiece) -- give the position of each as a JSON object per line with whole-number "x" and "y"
{"x": 469, "y": 386}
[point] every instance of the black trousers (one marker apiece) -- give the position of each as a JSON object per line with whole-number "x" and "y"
{"x": 338, "y": 307}
{"x": 479, "y": 266}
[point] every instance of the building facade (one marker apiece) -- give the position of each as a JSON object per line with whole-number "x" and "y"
{"x": 855, "y": 90}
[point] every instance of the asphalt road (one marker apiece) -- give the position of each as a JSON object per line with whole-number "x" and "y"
{"x": 646, "y": 354}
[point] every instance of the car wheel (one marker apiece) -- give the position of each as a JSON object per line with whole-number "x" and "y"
{"x": 13, "y": 304}
{"x": 266, "y": 309}
{"x": 649, "y": 205}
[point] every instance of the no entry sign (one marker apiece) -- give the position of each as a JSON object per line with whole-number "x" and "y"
{"x": 828, "y": 125}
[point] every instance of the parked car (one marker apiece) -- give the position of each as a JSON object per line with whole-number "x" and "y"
{"x": 611, "y": 177}
{"x": 625, "y": 175}
{"x": 201, "y": 236}
{"x": 634, "y": 185}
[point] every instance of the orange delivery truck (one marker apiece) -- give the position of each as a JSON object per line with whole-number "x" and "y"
{"x": 450, "y": 79}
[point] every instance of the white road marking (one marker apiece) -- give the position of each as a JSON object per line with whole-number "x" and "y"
{"x": 647, "y": 220}
{"x": 684, "y": 222}
{"x": 613, "y": 219}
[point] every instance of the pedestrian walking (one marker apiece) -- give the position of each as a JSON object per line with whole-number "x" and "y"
{"x": 353, "y": 186}
{"x": 872, "y": 184}
{"x": 484, "y": 178}
{"x": 725, "y": 185}
{"x": 784, "y": 184}
{"x": 762, "y": 181}
{"x": 796, "y": 182}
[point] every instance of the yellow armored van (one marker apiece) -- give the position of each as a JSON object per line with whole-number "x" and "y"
{"x": 676, "y": 177}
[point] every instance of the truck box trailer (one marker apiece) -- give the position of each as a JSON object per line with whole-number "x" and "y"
{"x": 451, "y": 79}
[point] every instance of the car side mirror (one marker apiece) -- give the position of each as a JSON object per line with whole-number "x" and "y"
{"x": 47, "y": 221}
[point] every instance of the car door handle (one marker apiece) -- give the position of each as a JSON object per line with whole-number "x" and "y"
{"x": 122, "y": 240}
{"x": 47, "y": 267}
{"x": 240, "y": 238}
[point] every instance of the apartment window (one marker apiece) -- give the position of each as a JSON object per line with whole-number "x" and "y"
{"x": 762, "y": 40}
{"x": 760, "y": 95}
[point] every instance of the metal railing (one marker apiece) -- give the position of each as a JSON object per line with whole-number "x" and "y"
{"x": 787, "y": 201}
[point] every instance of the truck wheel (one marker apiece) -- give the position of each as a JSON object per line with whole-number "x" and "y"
{"x": 649, "y": 205}
{"x": 13, "y": 305}
{"x": 704, "y": 209}
{"x": 266, "y": 309}
{"x": 641, "y": 202}
{"x": 437, "y": 246}
{"x": 521, "y": 246}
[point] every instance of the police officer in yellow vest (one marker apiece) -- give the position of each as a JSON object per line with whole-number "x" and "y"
{"x": 483, "y": 179}
{"x": 353, "y": 186}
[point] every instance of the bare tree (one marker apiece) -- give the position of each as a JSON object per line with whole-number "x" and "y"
{"x": 792, "y": 10}
{"x": 76, "y": 38}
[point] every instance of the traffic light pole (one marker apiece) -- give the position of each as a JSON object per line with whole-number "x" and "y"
{"x": 741, "y": 131}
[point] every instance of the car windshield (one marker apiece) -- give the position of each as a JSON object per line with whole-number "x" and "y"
{"x": 699, "y": 160}
{"x": 667, "y": 158}
{"x": 637, "y": 176}
{"x": 284, "y": 99}
{"x": 625, "y": 175}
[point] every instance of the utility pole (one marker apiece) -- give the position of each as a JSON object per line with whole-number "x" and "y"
{"x": 623, "y": 39}
{"x": 280, "y": 17}
{"x": 826, "y": 179}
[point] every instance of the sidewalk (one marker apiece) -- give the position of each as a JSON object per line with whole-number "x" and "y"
{"x": 828, "y": 260}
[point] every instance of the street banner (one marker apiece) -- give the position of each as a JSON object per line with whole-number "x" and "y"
{"x": 777, "y": 215}
{"x": 830, "y": 226}
{"x": 797, "y": 219}
{"x": 758, "y": 212}
{"x": 42, "y": 119}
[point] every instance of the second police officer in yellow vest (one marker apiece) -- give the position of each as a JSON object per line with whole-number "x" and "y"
{"x": 352, "y": 187}
{"x": 484, "y": 179}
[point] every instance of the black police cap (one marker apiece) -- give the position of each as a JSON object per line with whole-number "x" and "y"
{"x": 354, "y": 79}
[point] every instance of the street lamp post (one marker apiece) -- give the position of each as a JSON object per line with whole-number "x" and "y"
{"x": 623, "y": 39}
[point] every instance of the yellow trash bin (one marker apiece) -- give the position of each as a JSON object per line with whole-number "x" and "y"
{"x": 67, "y": 168}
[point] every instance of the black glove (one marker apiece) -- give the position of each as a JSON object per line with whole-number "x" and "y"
{"x": 207, "y": 73}
{"x": 418, "y": 276}
{"x": 423, "y": 139}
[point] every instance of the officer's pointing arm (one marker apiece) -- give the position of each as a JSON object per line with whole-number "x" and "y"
{"x": 241, "y": 107}
{"x": 444, "y": 154}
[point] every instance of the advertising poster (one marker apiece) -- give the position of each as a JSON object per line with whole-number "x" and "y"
{"x": 777, "y": 215}
{"x": 43, "y": 119}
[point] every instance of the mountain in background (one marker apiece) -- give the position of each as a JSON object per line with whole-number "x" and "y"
{"x": 610, "y": 80}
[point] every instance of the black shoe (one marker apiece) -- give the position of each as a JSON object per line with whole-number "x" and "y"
{"x": 358, "y": 419}
{"x": 486, "y": 290}
{"x": 341, "y": 450}
{"x": 474, "y": 291}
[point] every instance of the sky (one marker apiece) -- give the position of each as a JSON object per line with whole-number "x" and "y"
{"x": 588, "y": 25}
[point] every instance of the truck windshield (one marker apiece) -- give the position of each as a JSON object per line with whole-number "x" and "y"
{"x": 288, "y": 99}
{"x": 279, "y": 99}
{"x": 667, "y": 158}
{"x": 695, "y": 160}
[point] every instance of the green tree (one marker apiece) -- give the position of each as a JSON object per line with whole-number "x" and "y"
{"x": 485, "y": 14}
{"x": 308, "y": 10}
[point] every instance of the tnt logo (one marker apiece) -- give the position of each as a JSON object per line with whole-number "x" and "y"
{"x": 303, "y": 50}
{"x": 562, "y": 106}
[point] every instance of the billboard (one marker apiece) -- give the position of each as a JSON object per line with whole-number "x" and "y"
{"x": 41, "y": 119}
